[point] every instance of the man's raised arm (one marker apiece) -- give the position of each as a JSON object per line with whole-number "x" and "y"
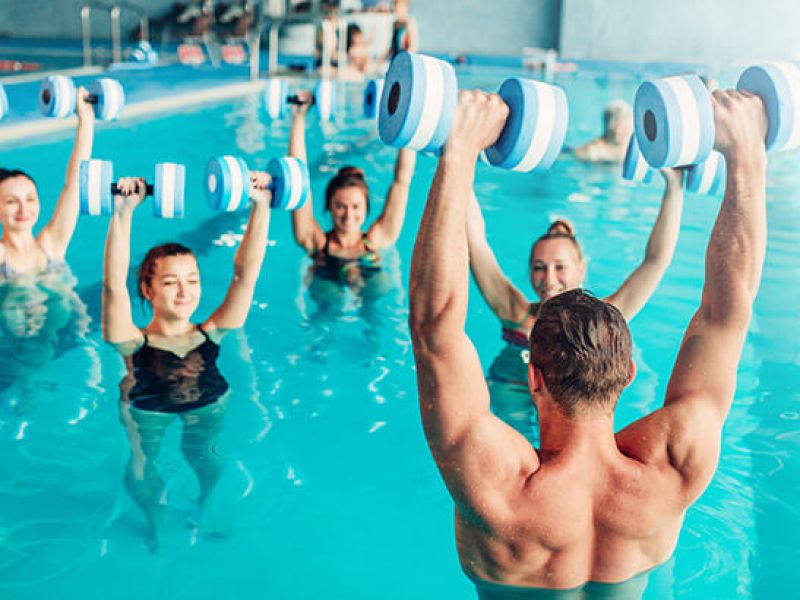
{"x": 703, "y": 382}
{"x": 469, "y": 444}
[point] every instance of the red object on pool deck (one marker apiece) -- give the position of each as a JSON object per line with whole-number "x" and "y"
{"x": 233, "y": 54}
{"x": 16, "y": 65}
{"x": 191, "y": 54}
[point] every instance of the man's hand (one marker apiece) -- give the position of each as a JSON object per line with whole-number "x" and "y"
{"x": 741, "y": 124}
{"x": 478, "y": 120}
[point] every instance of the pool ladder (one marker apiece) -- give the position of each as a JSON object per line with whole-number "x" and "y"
{"x": 115, "y": 13}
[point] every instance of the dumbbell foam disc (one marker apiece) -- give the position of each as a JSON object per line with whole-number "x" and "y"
{"x": 168, "y": 191}
{"x": 3, "y": 102}
{"x": 372, "y": 98}
{"x": 57, "y": 96}
{"x": 227, "y": 183}
{"x": 416, "y": 108}
{"x": 94, "y": 182}
{"x": 325, "y": 100}
{"x": 778, "y": 86}
{"x": 110, "y": 98}
{"x": 275, "y": 92}
{"x": 635, "y": 167}
{"x": 534, "y": 131}
{"x": 708, "y": 177}
{"x": 674, "y": 121}
{"x": 290, "y": 182}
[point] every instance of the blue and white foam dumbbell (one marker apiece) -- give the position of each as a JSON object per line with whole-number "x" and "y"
{"x": 58, "y": 96}
{"x": 708, "y": 177}
{"x": 227, "y": 183}
{"x": 3, "y": 102}
{"x": 277, "y": 99}
{"x": 372, "y": 97}
{"x": 635, "y": 167}
{"x": 419, "y": 99}
{"x": 144, "y": 53}
{"x": 97, "y": 189}
{"x": 674, "y": 121}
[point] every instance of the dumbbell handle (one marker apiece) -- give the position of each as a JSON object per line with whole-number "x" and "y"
{"x": 91, "y": 98}
{"x": 295, "y": 99}
{"x": 116, "y": 191}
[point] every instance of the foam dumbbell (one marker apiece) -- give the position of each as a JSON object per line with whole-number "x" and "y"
{"x": 277, "y": 99}
{"x": 227, "y": 183}
{"x": 419, "y": 98}
{"x": 635, "y": 167}
{"x": 708, "y": 177}
{"x": 3, "y": 102}
{"x": 674, "y": 121}
{"x": 58, "y": 96}
{"x": 97, "y": 189}
{"x": 372, "y": 97}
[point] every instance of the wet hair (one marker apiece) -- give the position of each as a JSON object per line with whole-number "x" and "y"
{"x": 9, "y": 173}
{"x": 582, "y": 346}
{"x": 352, "y": 30}
{"x": 345, "y": 178}
{"x": 559, "y": 229}
{"x": 148, "y": 267}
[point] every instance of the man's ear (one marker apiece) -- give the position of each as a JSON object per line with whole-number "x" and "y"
{"x": 535, "y": 379}
{"x": 632, "y": 375}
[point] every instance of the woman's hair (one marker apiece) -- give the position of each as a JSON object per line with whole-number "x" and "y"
{"x": 148, "y": 267}
{"x": 352, "y": 30}
{"x": 345, "y": 178}
{"x": 9, "y": 173}
{"x": 559, "y": 229}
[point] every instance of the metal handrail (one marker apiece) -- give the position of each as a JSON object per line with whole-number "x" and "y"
{"x": 275, "y": 25}
{"x": 116, "y": 33}
{"x": 86, "y": 28}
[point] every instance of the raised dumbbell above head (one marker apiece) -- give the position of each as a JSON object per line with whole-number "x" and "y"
{"x": 97, "y": 189}
{"x": 277, "y": 99}
{"x": 58, "y": 96}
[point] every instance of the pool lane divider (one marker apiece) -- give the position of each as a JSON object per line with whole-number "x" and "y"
{"x": 40, "y": 127}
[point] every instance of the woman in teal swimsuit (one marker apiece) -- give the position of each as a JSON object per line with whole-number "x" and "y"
{"x": 556, "y": 265}
{"x": 171, "y": 362}
{"x": 346, "y": 257}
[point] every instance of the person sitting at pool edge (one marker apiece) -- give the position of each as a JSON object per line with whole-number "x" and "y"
{"x": 172, "y": 362}
{"x": 22, "y": 253}
{"x": 347, "y": 255}
{"x": 589, "y": 505}
{"x": 613, "y": 144}
{"x": 556, "y": 264}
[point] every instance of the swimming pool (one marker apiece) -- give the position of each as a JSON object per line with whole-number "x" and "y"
{"x": 329, "y": 487}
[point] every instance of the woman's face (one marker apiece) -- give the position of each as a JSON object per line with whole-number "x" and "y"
{"x": 174, "y": 290}
{"x": 556, "y": 267}
{"x": 19, "y": 204}
{"x": 348, "y": 209}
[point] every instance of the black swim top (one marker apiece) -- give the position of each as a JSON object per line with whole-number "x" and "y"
{"x": 339, "y": 269}
{"x": 160, "y": 380}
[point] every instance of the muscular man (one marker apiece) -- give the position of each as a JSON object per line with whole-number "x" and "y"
{"x": 590, "y": 505}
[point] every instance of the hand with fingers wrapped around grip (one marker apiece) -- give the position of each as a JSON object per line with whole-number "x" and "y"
{"x": 131, "y": 192}
{"x": 306, "y": 99}
{"x": 477, "y": 122}
{"x": 740, "y": 122}
{"x": 259, "y": 187}
{"x": 83, "y": 108}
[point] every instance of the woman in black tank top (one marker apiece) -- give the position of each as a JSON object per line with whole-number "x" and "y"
{"x": 172, "y": 362}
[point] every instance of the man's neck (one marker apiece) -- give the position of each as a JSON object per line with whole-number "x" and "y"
{"x": 591, "y": 432}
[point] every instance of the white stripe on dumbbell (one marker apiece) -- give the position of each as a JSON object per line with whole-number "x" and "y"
{"x": 95, "y": 186}
{"x": 792, "y": 74}
{"x": 709, "y": 173}
{"x": 543, "y": 128}
{"x": 274, "y": 99}
{"x": 294, "y": 183}
{"x": 168, "y": 191}
{"x": 432, "y": 104}
{"x": 63, "y": 91}
{"x": 236, "y": 182}
{"x": 689, "y": 120}
{"x": 641, "y": 168}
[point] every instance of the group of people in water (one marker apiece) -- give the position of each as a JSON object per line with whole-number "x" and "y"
{"x": 587, "y": 505}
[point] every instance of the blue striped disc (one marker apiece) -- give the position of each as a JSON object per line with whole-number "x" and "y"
{"x": 674, "y": 121}
{"x": 534, "y": 131}
{"x": 290, "y": 182}
{"x": 325, "y": 98}
{"x": 372, "y": 98}
{"x": 3, "y": 102}
{"x": 275, "y": 92}
{"x": 110, "y": 98}
{"x": 227, "y": 183}
{"x": 778, "y": 86}
{"x": 57, "y": 96}
{"x": 416, "y": 108}
{"x": 635, "y": 167}
{"x": 94, "y": 187}
{"x": 168, "y": 191}
{"x": 708, "y": 177}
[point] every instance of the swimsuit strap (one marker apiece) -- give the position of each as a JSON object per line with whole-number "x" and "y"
{"x": 533, "y": 308}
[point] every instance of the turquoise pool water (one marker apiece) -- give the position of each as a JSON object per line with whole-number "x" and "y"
{"x": 329, "y": 489}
